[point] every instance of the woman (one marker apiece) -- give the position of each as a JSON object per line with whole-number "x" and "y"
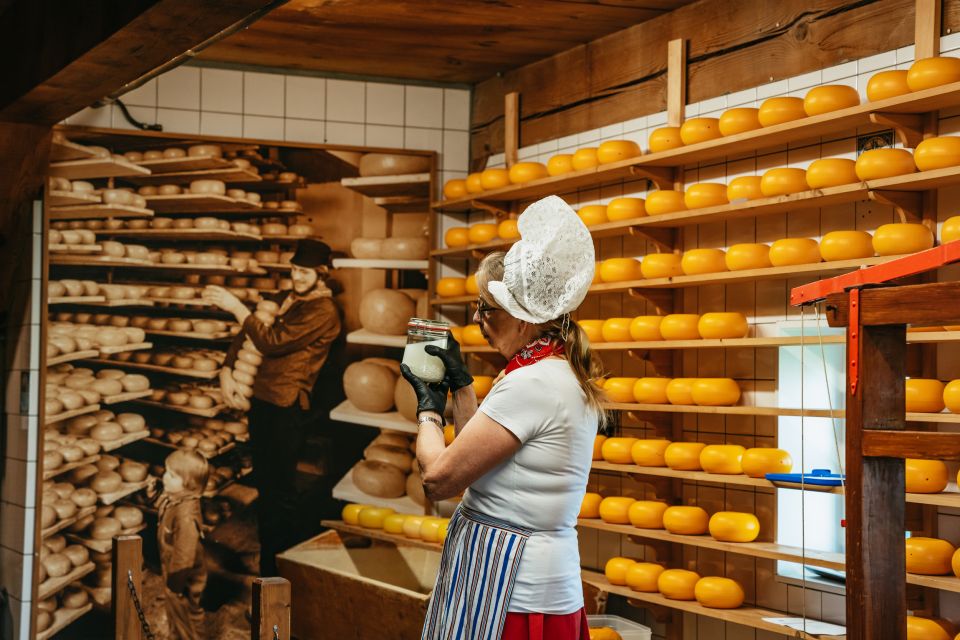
{"x": 511, "y": 562}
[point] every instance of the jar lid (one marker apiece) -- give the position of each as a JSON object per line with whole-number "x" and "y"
{"x": 425, "y": 326}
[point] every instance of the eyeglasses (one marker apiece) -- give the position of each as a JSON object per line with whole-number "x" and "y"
{"x": 484, "y": 309}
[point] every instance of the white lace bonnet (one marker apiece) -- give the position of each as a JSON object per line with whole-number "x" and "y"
{"x": 548, "y": 271}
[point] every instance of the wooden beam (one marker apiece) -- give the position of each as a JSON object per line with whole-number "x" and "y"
{"x": 127, "y": 555}
{"x": 70, "y": 55}
{"x": 912, "y": 444}
{"x": 927, "y": 29}
{"x": 271, "y": 609}
{"x": 511, "y": 134}
{"x": 910, "y": 304}
{"x": 676, "y": 81}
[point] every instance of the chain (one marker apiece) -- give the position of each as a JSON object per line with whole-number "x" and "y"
{"x": 276, "y": 632}
{"x": 136, "y": 603}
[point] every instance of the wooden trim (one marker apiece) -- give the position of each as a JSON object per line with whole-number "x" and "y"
{"x": 910, "y": 304}
{"x": 927, "y": 25}
{"x": 511, "y": 128}
{"x": 911, "y": 444}
{"x": 676, "y": 81}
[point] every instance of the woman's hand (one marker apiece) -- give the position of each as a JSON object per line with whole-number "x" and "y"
{"x": 431, "y": 396}
{"x": 456, "y": 375}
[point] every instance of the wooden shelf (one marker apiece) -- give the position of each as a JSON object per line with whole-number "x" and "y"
{"x": 942, "y": 418}
{"x": 62, "y": 618}
{"x": 108, "y": 167}
{"x": 346, "y": 412}
{"x": 229, "y": 174}
{"x": 98, "y": 261}
{"x": 179, "y": 234}
{"x": 380, "y": 534}
{"x": 212, "y": 412}
{"x": 70, "y": 357}
{"x": 53, "y": 473}
{"x": 746, "y": 616}
{"x": 50, "y": 586}
{"x": 362, "y": 336}
{"x": 730, "y": 411}
{"x": 347, "y": 491}
{"x": 122, "y": 302}
{"x": 193, "y": 302}
{"x": 75, "y": 300}
{"x": 127, "y": 396}
{"x": 189, "y": 373}
{"x": 354, "y": 263}
{"x": 104, "y": 546}
{"x": 58, "y": 198}
{"x": 230, "y": 446}
{"x": 126, "y": 489}
{"x": 62, "y": 150}
{"x": 189, "y": 163}
{"x": 74, "y": 248}
{"x": 199, "y": 203}
{"x": 98, "y": 212}
{"x": 106, "y": 261}
{"x": 139, "y": 346}
{"x": 413, "y": 184}
{"x": 193, "y": 335}
{"x": 66, "y": 415}
{"x": 124, "y": 440}
{"x": 66, "y": 522}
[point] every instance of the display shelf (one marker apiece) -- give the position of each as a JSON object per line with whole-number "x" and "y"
{"x": 58, "y": 198}
{"x": 353, "y": 263}
{"x": 347, "y": 491}
{"x": 380, "y": 534}
{"x": 70, "y": 357}
{"x": 230, "y": 446}
{"x": 942, "y": 583}
{"x": 124, "y": 440}
{"x": 75, "y": 299}
{"x": 212, "y": 412}
{"x": 412, "y": 184}
{"x": 98, "y": 261}
{"x": 107, "y": 261}
{"x": 229, "y": 174}
{"x": 139, "y": 346}
{"x": 199, "y": 203}
{"x": 941, "y": 418}
{"x": 746, "y": 615}
{"x": 73, "y": 413}
{"x": 75, "y": 248}
{"x": 62, "y": 618}
{"x": 94, "y": 211}
{"x": 163, "y": 166}
{"x": 239, "y": 475}
{"x": 193, "y": 302}
{"x": 53, "y": 473}
{"x": 193, "y": 335}
{"x": 362, "y": 336}
{"x": 50, "y": 586}
{"x": 126, "y": 489}
{"x": 126, "y": 396}
{"x": 188, "y": 373}
{"x": 85, "y": 169}
{"x": 104, "y": 546}
{"x": 179, "y": 234}
{"x": 275, "y": 266}
{"x": 66, "y": 522}
{"x": 62, "y": 150}
{"x": 730, "y": 411}
{"x": 122, "y": 302}
{"x": 347, "y": 412}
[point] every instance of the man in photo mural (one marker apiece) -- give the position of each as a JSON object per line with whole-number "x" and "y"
{"x": 274, "y": 361}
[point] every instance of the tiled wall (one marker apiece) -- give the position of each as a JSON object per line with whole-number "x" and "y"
{"x": 298, "y": 108}
{"x": 18, "y": 484}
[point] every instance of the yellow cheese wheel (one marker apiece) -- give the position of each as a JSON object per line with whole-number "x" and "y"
{"x": 619, "y": 270}
{"x": 760, "y": 461}
{"x": 744, "y": 188}
{"x": 705, "y": 194}
{"x": 527, "y": 172}
{"x": 678, "y": 584}
{"x": 925, "y": 629}
{"x": 929, "y": 556}
{"x": 715, "y": 392}
{"x": 749, "y": 255}
{"x": 831, "y": 172}
{"x": 616, "y": 570}
{"x": 496, "y": 178}
{"x": 560, "y": 164}
{"x": 664, "y": 201}
{"x": 451, "y": 287}
{"x": 456, "y": 188}
{"x": 901, "y": 237}
{"x": 642, "y": 577}
{"x": 925, "y": 476}
{"x": 593, "y": 329}
{"x": 647, "y": 514}
{"x": 937, "y": 153}
{"x": 470, "y": 284}
{"x": 684, "y": 456}
{"x": 646, "y": 327}
{"x": 951, "y": 396}
{"x": 590, "y": 505}
{"x": 372, "y": 517}
{"x": 457, "y": 237}
{"x": 718, "y": 325}
{"x": 430, "y": 529}
{"x": 625, "y": 209}
{"x": 411, "y": 526}
{"x": 482, "y": 386}
{"x": 790, "y": 251}
{"x": 474, "y": 185}
{"x": 718, "y": 593}
{"x": 722, "y": 458}
{"x": 393, "y": 523}
{"x": 779, "y": 110}
{"x": 473, "y": 336}
{"x": 507, "y": 229}
{"x": 950, "y": 230}
{"x": 685, "y": 520}
{"x": 830, "y": 97}
{"x": 651, "y": 390}
{"x": 734, "y": 526}
{"x": 783, "y": 181}
{"x": 661, "y": 265}
{"x": 585, "y": 158}
{"x": 351, "y": 513}
{"x": 680, "y": 326}
{"x": 697, "y": 130}
{"x": 924, "y": 395}
{"x": 619, "y": 390}
{"x": 680, "y": 391}
{"x": 615, "y": 509}
{"x": 598, "y": 441}
{"x": 482, "y": 232}
{"x": 617, "y": 450}
{"x": 592, "y": 214}
{"x": 738, "y": 120}
{"x": 875, "y": 164}
{"x": 615, "y": 150}
{"x": 933, "y": 72}
{"x": 699, "y": 261}
{"x": 955, "y": 562}
{"x": 616, "y": 329}
{"x": 887, "y": 84}
{"x": 846, "y": 245}
{"x": 664, "y": 139}
{"x": 649, "y": 452}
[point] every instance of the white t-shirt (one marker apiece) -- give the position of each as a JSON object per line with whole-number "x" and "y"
{"x": 542, "y": 486}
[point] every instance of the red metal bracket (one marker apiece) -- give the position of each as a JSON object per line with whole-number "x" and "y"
{"x": 853, "y": 359}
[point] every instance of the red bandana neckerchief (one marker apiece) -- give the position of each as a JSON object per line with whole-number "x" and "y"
{"x": 541, "y": 348}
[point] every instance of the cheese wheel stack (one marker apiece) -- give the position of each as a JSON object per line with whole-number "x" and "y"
{"x": 249, "y": 357}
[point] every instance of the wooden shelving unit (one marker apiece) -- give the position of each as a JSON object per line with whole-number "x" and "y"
{"x": 126, "y": 489}
{"x": 229, "y": 174}
{"x": 66, "y": 522}
{"x": 188, "y": 235}
{"x": 108, "y": 167}
{"x": 97, "y": 211}
{"x": 124, "y": 440}
{"x": 103, "y": 546}
{"x": 50, "y": 586}
{"x": 363, "y": 336}
{"x": 212, "y": 412}
{"x": 200, "y": 203}
{"x": 69, "y": 466}
{"x": 414, "y": 184}
{"x": 58, "y": 198}
{"x": 347, "y": 412}
{"x": 62, "y": 619}
{"x": 73, "y": 413}
{"x": 70, "y": 357}
{"x": 165, "y": 166}
{"x": 187, "y": 373}
{"x": 380, "y": 534}
{"x": 62, "y": 150}
{"x": 347, "y": 491}
{"x": 728, "y": 411}
{"x": 354, "y": 263}
{"x": 75, "y": 299}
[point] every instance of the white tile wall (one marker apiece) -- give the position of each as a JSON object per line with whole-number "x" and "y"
{"x": 221, "y": 90}
{"x": 179, "y": 89}
{"x": 263, "y": 94}
{"x": 306, "y": 97}
{"x": 346, "y": 100}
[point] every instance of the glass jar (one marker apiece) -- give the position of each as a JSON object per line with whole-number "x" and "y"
{"x": 421, "y": 333}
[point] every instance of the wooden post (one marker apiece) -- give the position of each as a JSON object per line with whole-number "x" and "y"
{"x": 926, "y": 34}
{"x": 511, "y": 127}
{"x": 676, "y": 81}
{"x": 127, "y": 557}
{"x": 271, "y": 609}
{"x": 876, "y": 575}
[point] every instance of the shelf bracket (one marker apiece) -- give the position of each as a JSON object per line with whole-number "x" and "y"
{"x": 908, "y": 204}
{"x": 498, "y": 212}
{"x": 661, "y": 299}
{"x": 908, "y": 126}
{"x": 663, "y": 177}
{"x": 664, "y": 238}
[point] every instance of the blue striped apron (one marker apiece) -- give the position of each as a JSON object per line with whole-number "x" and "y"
{"x": 476, "y": 577}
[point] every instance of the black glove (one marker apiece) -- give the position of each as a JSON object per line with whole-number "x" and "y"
{"x": 431, "y": 396}
{"x": 457, "y": 375}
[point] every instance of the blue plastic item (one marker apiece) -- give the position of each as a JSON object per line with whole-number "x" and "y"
{"x": 820, "y": 477}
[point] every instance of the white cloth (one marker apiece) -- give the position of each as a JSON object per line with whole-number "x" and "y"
{"x": 542, "y": 486}
{"x": 548, "y": 271}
